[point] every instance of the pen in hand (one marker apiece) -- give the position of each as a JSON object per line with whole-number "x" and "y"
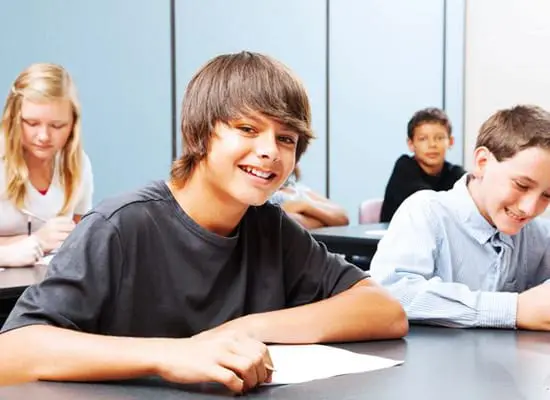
{"x": 32, "y": 215}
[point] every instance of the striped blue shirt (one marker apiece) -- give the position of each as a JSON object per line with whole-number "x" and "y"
{"x": 448, "y": 266}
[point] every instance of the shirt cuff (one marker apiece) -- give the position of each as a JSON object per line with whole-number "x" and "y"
{"x": 497, "y": 310}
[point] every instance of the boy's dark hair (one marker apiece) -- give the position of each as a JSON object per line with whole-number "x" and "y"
{"x": 430, "y": 115}
{"x": 510, "y": 131}
{"x": 234, "y": 85}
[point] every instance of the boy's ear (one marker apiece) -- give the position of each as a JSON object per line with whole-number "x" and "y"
{"x": 410, "y": 145}
{"x": 481, "y": 158}
{"x": 451, "y": 141}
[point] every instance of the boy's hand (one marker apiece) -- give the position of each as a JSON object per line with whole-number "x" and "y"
{"x": 534, "y": 308}
{"x": 233, "y": 359}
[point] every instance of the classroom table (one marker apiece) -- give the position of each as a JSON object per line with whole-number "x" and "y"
{"x": 13, "y": 281}
{"x": 440, "y": 363}
{"x": 351, "y": 240}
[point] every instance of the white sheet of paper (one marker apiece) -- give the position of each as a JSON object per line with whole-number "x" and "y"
{"x": 45, "y": 260}
{"x": 378, "y": 233}
{"x": 1, "y": 269}
{"x": 303, "y": 363}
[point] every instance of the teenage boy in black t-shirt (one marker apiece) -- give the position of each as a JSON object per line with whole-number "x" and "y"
{"x": 187, "y": 279}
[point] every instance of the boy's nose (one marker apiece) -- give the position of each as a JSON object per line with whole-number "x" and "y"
{"x": 266, "y": 146}
{"x": 530, "y": 204}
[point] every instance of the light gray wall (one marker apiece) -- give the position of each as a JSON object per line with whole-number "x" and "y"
{"x": 507, "y": 59}
{"x": 386, "y": 62}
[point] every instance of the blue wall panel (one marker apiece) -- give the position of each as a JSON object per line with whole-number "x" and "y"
{"x": 293, "y": 31}
{"x": 118, "y": 52}
{"x": 386, "y": 62}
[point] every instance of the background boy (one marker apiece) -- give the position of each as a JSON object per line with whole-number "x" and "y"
{"x": 476, "y": 255}
{"x": 429, "y": 134}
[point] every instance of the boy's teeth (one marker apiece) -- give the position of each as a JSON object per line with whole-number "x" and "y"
{"x": 258, "y": 173}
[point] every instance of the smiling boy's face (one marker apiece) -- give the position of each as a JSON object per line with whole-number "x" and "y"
{"x": 249, "y": 159}
{"x": 430, "y": 143}
{"x": 513, "y": 191}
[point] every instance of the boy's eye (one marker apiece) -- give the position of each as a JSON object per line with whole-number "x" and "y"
{"x": 287, "y": 139}
{"x": 546, "y": 196}
{"x": 58, "y": 126}
{"x": 246, "y": 129}
{"x": 521, "y": 186}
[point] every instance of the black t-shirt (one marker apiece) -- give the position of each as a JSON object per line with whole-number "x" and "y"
{"x": 139, "y": 266}
{"x": 408, "y": 177}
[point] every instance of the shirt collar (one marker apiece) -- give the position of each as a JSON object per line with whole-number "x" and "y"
{"x": 469, "y": 214}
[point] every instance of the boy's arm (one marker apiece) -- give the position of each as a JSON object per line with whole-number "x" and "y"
{"x": 405, "y": 264}
{"x": 534, "y": 303}
{"x": 40, "y": 352}
{"x": 45, "y": 352}
{"x": 363, "y": 312}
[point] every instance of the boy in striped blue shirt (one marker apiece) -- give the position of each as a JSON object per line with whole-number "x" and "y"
{"x": 476, "y": 255}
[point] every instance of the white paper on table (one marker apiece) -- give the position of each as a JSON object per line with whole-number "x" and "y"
{"x": 303, "y": 363}
{"x": 1, "y": 269}
{"x": 45, "y": 260}
{"x": 376, "y": 233}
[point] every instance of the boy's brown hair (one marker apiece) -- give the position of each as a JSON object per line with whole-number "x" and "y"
{"x": 510, "y": 131}
{"x": 234, "y": 85}
{"x": 429, "y": 115}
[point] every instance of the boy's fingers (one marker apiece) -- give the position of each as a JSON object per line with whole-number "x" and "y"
{"x": 244, "y": 367}
{"x": 228, "y": 378}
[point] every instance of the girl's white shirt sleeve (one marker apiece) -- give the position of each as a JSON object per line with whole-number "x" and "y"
{"x": 84, "y": 201}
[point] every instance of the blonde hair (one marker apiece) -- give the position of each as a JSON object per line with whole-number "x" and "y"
{"x": 40, "y": 82}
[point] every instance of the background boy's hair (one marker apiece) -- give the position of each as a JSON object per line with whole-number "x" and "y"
{"x": 235, "y": 85}
{"x": 430, "y": 115}
{"x": 509, "y": 131}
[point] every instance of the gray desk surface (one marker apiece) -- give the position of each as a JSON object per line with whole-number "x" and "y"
{"x": 13, "y": 281}
{"x": 351, "y": 240}
{"x": 439, "y": 364}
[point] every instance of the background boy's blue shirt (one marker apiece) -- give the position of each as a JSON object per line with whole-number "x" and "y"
{"x": 448, "y": 266}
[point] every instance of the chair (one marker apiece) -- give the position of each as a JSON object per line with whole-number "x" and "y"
{"x": 369, "y": 211}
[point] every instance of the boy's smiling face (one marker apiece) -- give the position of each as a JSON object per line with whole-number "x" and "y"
{"x": 249, "y": 158}
{"x": 512, "y": 192}
{"x": 430, "y": 143}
